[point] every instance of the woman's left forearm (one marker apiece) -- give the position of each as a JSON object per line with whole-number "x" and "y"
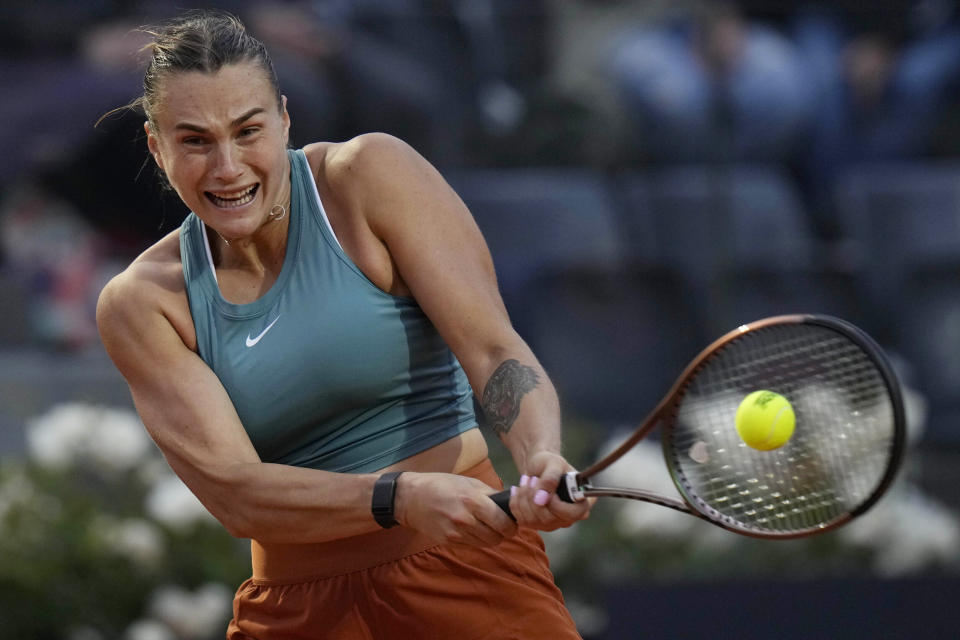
{"x": 520, "y": 405}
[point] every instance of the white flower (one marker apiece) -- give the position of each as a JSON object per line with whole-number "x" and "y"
{"x": 84, "y": 633}
{"x": 642, "y": 467}
{"x": 135, "y": 538}
{"x": 14, "y": 491}
{"x": 908, "y": 532}
{"x": 192, "y": 615}
{"x": 149, "y": 630}
{"x": 173, "y": 504}
{"x": 153, "y": 470}
{"x": 19, "y": 491}
{"x": 916, "y": 408}
{"x": 120, "y": 440}
{"x": 55, "y": 438}
{"x": 114, "y": 439}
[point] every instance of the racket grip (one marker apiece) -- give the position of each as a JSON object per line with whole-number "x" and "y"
{"x": 502, "y": 498}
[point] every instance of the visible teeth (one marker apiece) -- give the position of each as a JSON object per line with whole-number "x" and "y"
{"x": 234, "y": 199}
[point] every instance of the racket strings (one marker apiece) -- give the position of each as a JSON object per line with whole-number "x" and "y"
{"x": 837, "y": 456}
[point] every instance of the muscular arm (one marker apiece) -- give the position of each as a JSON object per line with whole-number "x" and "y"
{"x": 441, "y": 256}
{"x": 503, "y": 393}
{"x": 191, "y": 418}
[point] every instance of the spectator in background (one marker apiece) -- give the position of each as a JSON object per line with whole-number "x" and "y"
{"x": 51, "y": 271}
{"x": 436, "y": 73}
{"x": 348, "y": 66}
{"x": 882, "y": 78}
{"x": 712, "y": 85}
{"x": 61, "y": 65}
{"x": 582, "y": 35}
{"x": 387, "y": 65}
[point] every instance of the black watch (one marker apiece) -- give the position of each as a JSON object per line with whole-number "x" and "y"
{"x": 384, "y": 491}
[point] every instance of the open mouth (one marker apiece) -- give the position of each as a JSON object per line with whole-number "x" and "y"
{"x": 230, "y": 199}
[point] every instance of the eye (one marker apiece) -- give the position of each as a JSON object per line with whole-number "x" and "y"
{"x": 193, "y": 141}
{"x": 246, "y": 132}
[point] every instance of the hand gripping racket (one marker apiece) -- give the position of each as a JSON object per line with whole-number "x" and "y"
{"x": 844, "y": 452}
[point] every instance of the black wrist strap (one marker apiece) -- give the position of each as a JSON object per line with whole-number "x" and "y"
{"x": 384, "y": 492}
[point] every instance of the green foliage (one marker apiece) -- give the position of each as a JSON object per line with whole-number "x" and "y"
{"x": 91, "y": 536}
{"x": 65, "y": 567}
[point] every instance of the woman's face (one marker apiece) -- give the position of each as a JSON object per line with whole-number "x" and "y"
{"x": 221, "y": 141}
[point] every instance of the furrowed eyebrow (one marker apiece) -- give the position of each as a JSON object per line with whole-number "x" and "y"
{"x": 235, "y": 123}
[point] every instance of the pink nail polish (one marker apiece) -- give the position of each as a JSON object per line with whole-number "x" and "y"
{"x": 513, "y": 491}
{"x": 524, "y": 481}
{"x": 541, "y": 498}
{"x": 534, "y": 481}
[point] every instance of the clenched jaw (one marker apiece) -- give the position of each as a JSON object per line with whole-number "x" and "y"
{"x": 232, "y": 199}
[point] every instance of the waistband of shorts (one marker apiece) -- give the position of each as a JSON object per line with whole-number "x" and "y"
{"x": 291, "y": 563}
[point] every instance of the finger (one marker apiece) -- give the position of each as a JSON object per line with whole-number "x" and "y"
{"x": 521, "y": 503}
{"x": 466, "y": 539}
{"x": 533, "y": 501}
{"x": 495, "y": 536}
{"x": 492, "y": 516}
{"x": 482, "y": 537}
{"x": 479, "y": 535}
{"x": 557, "y": 513}
{"x": 551, "y": 475}
{"x": 570, "y": 512}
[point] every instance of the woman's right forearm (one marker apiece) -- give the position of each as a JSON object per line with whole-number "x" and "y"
{"x": 291, "y": 505}
{"x": 277, "y": 503}
{"x": 191, "y": 418}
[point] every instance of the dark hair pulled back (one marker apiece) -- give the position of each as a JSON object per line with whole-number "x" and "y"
{"x": 199, "y": 40}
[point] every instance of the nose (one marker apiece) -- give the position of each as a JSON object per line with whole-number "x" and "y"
{"x": 226, "y": 167}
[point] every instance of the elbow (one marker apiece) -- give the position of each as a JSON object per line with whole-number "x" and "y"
{"x": 232, "y": 516}
{"x": 229, "y": 503}
{"x": 237, "y": 528}
{"x": 237, "y": 518}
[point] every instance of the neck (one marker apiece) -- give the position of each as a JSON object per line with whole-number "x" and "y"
{"x": 266, "y": 247}
{"x": 247, "y": 267}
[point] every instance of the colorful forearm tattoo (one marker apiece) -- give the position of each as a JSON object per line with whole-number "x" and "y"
{"x": 503, "y": 393}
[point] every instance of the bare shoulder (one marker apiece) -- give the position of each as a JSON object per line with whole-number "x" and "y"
{"x": 134, "y": 289}
{"x": 150, "y": 290}
{"x": 334, "y": 156}
{"x": 367, "y": 164}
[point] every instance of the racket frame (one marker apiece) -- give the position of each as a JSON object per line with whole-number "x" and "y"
{"x": 577, "y": 487}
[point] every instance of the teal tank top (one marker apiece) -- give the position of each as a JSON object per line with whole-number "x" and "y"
{"x": 325, "y": 370}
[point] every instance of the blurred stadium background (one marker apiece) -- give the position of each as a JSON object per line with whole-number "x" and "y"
{"x": 648, "y": 175}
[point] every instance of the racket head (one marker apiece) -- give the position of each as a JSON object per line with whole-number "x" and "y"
{"x": 846, "y": 448}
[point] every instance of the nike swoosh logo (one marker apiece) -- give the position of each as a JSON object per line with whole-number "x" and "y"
{"x": 253, "y": 341}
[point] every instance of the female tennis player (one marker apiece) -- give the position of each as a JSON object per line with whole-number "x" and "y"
{"x": 320, "y": 322}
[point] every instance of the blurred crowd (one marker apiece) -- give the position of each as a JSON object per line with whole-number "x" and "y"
{"x": 810, "y": 86}
{"x": 593, "y": 92}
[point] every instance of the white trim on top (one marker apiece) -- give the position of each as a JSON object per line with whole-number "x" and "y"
{"x": 206, "y": 245}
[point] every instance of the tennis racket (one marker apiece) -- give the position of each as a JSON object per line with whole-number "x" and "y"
{"x": 845, "y": 450}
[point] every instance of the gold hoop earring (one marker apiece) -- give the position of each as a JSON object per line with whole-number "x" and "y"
{"x": 278, "y": 216}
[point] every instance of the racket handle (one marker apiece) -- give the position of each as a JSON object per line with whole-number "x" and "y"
{"x": 502, "y": 498}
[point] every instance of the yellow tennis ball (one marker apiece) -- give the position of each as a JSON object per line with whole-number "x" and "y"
{"x": 765, "y": 420}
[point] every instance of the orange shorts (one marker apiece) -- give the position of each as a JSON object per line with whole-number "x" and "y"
{"x": 398, "y": 584}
